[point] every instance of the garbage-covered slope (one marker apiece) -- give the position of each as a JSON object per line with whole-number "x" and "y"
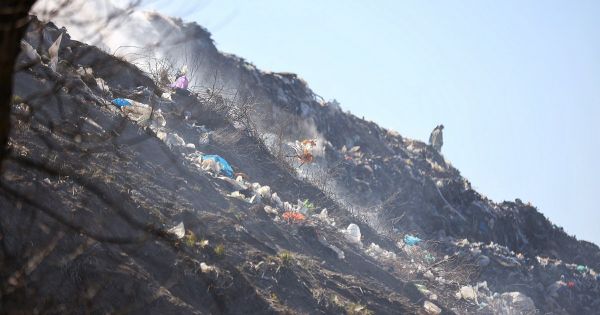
{"x": 397, "y": 175}
{"x": 91, "y": 192}
{"x": 88, "y": 197}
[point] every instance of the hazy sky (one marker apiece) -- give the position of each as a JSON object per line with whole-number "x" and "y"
{"x": 516, "y": 83}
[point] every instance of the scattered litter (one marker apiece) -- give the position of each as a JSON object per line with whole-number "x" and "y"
{"x": 210, "y": 166}
{"x": 93, "y": 123}
{"x": 429, "y": 275}
{"x": 303, "y": 150}
{"x": 240, "y": 196}
{"x": 85, "y": 72}
{"x": 411, "y": 240}
{"x": 300, "y": 207}
{"x": 287, "y": 206}
{"x": 431, "y": 308}
{"x": 174, "y": 140}
{"x": 167, "y": 96}
{"x": 271, "y": 210}
{"x": 206, "y": 268}
{"x": 293, "y": 217}
{"x": 102, "y": 85}
{"x": 505, "y": 261}
{"x": 225, "y": 168}
{"x": 239, "y": 176}
{"x": 324, "y": 216}
{"x": 429, "y": 258}
{"x": 181, "y": 83}
{"x": 122, "y": 102}
{"x": 178, "y": 230}
{"x": 352, "y": 233}
{"x": 308, "y": 205}
{"x": 510, "y": 303}
{"x": 377, "y": 252}
{"x": 238, "y": 184}
{"x": 264, "y": 191}
{"x": 138, "y": 112}
{"x": 276, "y": 200}
{"x": 161, "y": 135}
{"x": 462, "y": 243}
{"x": 53, "y": 53}
{"x": 423, "y": 289}
{"x": 581, "y": 268}
{"x": 571, "y": 284}
{"x": 158, "y": 120}
{"x": 468, "y": 293}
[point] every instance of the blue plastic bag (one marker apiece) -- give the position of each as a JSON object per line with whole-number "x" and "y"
{"x": 121, "y": 102}
{"x": 411, "y": 240}
{"x": 225, "y": 167}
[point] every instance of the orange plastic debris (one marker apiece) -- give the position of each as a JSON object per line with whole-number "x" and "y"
{"x": 304, "y": 151}
{"x": 293, "y": 217}
{"x": 309, "y": 142}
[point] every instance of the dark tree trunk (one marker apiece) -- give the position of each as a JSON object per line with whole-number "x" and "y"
{"x": 14, "y": 18}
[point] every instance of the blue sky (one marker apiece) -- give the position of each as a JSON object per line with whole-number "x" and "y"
{"x": 516, "y": 83}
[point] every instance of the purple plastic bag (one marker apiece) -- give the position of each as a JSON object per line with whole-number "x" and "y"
{"x": 181, "y": 83}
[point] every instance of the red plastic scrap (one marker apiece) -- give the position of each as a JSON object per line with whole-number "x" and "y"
{"x": 305, "y": 158}
{"x": 293, "y": 217}
{"x": 571, "y": 284}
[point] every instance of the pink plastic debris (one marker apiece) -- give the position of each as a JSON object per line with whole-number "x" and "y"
{"x": 181, "y": 83}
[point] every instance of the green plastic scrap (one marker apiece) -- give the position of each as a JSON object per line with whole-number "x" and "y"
{"x": 308, "y": 205}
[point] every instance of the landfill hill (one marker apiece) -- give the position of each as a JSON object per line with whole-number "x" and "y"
{"x": 113, "y": 210}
